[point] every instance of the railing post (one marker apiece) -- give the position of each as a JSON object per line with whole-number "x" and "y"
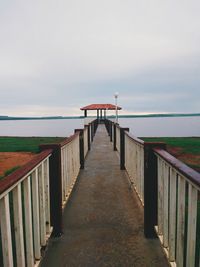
{"x": 88, "y": 137}
{"x": 92, "y": 131}
{"x": 110, "y": 123}
{"x": 114, "y": 141}
{"x": 150, "y": 188}
{"x": 81, "y": 147}
{"x": 96, "y": 125}
{"x": 122, "y": 147}
{"x": 55, "y": 176}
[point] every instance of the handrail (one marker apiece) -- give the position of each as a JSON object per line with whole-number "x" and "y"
{"x": 182, "y": 168}
{"x": 16, "y": 176}
{"x": 134, "y": 138}
{"x": 69, "y": 139}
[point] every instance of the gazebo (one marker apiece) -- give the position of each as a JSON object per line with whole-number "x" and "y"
{"x": 99, "y": 108}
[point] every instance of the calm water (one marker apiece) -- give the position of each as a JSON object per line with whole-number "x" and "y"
{"x": 171, "y": 126}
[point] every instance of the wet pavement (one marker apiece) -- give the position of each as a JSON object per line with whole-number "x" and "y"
{"x": 103, "y": 220}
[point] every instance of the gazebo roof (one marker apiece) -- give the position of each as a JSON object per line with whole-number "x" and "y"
{"x": 100, "y": 106}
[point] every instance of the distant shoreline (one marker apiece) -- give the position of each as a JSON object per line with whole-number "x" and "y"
{"x": 3, "y": 118}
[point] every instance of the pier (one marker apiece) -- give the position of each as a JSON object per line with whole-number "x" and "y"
{"x": 103, "y": 222}
{"x": 102, "y": 197}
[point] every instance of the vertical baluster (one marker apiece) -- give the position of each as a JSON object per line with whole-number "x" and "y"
{"x": 28, "y": 223}
{"x": 66, "y": 178}
{"x": 47, "y": 197}
{"x": 6, "y": 231}
{"x": 18, "y": 224}
{"x": 70, "y": 176}
{"x": 77, "y": 155}
{"x": 36, "y": 223}
{"x": 42, "y": 205}
{"x": 180, "y": 222}
{"x": 132, "y": 162}
{"x": 172, "y": 215}
{"x": 165, "y": 204}
{"x": 191, "y": 229}
{"x": 67, "y": 168}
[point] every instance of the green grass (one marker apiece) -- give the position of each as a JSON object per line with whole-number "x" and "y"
{"x": 187, "y": 144}
{"x": 25, "y": 144}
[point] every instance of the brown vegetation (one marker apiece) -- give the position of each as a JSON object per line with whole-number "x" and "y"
{"x": 8, "y": 160}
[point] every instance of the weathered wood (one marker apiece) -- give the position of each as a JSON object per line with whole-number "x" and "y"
{"x": 114, "y": 138}
{"x": 150, "y": 189}
{"x": 36, "y": 221}
{"x": 18, "y": 224}
{"x": 172, "y": 215}
{"x": 165, "y": 206}
{"x": 6, "y": 231}
{"x": 160, "y": 196}
{"x": 122, "y": 147}
{"x": 192, "y": 222}
{"x": 55, "y": 176}
{"x": 180, "y": 222}
{"x": 28, "y": 223}
{"x": 42, "y": 205}
{"x": 47, "y": 197}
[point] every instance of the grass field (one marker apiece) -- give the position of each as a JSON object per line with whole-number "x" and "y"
{"x": 187, "y": 149}
{"x": 25, "y": 144}
{"x": 187, "y": 144}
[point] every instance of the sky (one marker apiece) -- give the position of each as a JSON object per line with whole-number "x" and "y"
{"x": 59, "y": 55}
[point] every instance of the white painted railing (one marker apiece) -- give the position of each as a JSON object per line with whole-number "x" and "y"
{"x": 70, "y": 164}
{"x": 134, "y": 163}
{"x": 178, "y": 210}
{"x": 177, "y": 187}
{"x": 25, "y": 212}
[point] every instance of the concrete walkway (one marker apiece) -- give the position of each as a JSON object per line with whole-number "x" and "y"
{"x": 103, "y": 221}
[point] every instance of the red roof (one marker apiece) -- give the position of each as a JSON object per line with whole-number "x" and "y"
{"x": 100, "y": 106}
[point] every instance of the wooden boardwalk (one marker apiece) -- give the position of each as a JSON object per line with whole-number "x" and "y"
{"x": 103, "y": 220}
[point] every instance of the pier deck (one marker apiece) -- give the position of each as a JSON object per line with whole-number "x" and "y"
{"x": 103, "y": 220}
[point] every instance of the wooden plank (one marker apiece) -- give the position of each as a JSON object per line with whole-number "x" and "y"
{"x": 6, "y": 231}
{"x": 36, "y": 222}
{"x": 63, "y": 173}
{"x": 191, "y": 229}
{"x": 142, "y": 171}
{"x": 28, "y": 223}
{"x": 180, "y": 222}
{"x": 42, "y": 205}
{"x": 47, "y": 196}
{"x": 172, "y": 215}
{"x": 18, "y": 225}
{"x": 165, "y": 205}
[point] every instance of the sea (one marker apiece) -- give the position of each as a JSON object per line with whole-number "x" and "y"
{"x": 141, "y": 127}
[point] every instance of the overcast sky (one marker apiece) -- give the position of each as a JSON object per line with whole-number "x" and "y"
{"x": 59, "y": 55}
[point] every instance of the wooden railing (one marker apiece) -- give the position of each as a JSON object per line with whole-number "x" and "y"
{"x": 169, "y": 191}
{"x": 70, "y": 165}
{"x": 25, "y": 212}
{"x": 33, "y": 197}
{"x": 134, "y": 163}
{"x": 178, "y": 226}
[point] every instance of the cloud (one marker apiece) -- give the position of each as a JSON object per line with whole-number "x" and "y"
{"x": 72, "y": 53}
